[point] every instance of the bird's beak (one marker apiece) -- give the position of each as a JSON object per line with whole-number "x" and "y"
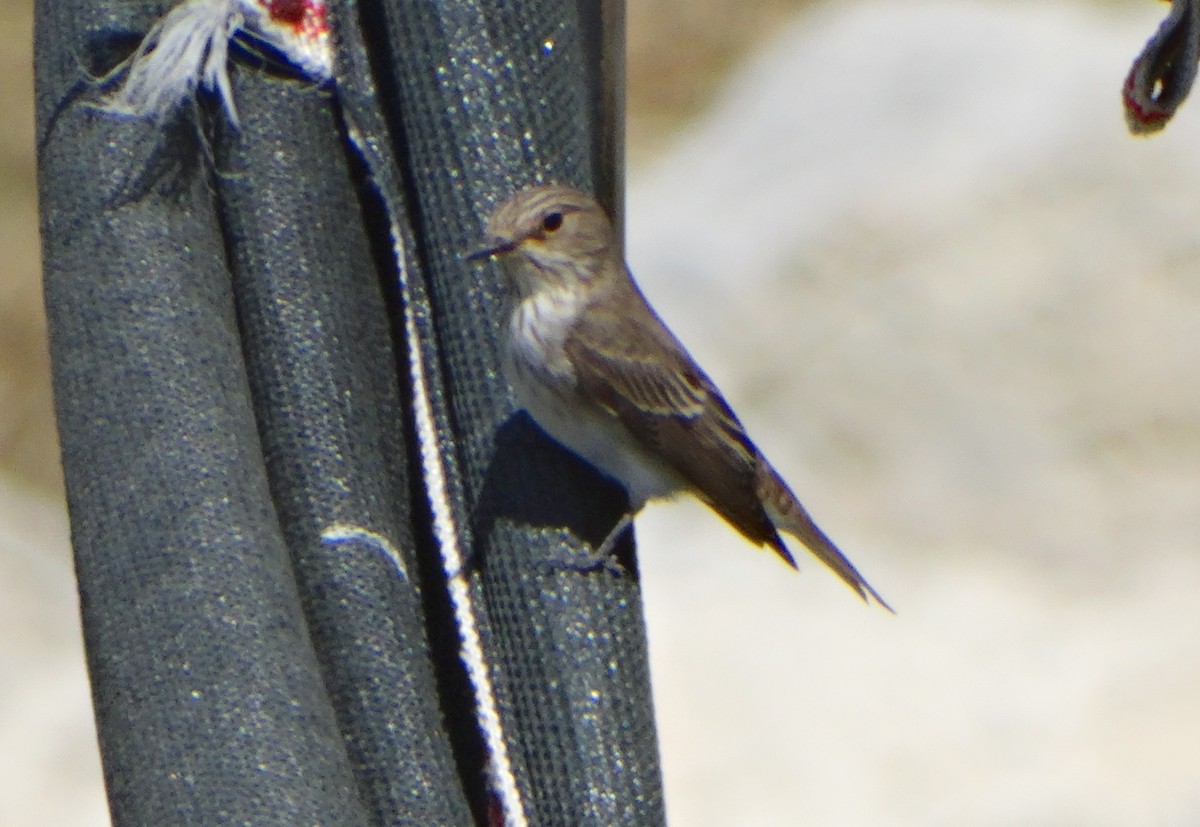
{"x": 492, "y": 246}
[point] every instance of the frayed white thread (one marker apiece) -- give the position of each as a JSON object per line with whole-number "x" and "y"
{"x": 188, "y": 48}
{"x": 344, "y": 533}
{"x": 502, "y": 777}
{"x": 487, "y": 712}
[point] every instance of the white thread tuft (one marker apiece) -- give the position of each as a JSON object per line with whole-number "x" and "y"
{"x": 189, "y": 48}
{"x": 186, "y": 49}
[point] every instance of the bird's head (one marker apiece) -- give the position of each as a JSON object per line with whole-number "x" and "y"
{"x": 550, "y": 237}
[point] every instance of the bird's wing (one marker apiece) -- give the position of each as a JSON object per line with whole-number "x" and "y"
{"x": 626, "y": 360}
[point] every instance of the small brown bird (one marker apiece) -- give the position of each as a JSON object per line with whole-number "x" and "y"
{"x": 598, "y": 370}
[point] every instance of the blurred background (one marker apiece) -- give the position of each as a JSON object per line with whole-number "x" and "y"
{"x": 959, "y": 308}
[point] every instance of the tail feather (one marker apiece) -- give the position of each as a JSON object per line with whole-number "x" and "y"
{"x": 789, "y": 516}
{"x": 779, "y": 548}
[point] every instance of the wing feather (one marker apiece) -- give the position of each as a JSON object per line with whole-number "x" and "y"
{"x": 634, "y": 368}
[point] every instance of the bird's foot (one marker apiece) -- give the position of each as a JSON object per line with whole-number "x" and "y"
{"x": 603, "y": 558}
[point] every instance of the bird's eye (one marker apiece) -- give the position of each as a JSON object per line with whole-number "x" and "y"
{"x": 552, "y": 222}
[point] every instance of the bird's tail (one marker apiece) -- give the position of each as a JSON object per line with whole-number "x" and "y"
{"x": 789, "y": 516}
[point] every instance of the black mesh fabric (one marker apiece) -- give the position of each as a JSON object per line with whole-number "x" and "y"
{"x": 267, "y": 626}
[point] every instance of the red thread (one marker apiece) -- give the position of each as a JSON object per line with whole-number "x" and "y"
{"x": 1152, "y": 116}
{"x": 291, "y": 12}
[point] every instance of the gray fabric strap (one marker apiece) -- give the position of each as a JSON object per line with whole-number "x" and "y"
{"x": 487, "y": 98}
{"x": 266, "y": 614}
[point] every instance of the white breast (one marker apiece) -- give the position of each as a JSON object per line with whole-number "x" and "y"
{"x": 544, "y": 381}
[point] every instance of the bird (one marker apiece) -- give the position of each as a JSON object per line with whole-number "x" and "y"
{"x": 595, "y": 367}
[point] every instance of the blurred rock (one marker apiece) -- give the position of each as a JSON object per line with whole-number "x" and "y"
{"x": 49, "y": 761}
{"x": 960, "y": 308}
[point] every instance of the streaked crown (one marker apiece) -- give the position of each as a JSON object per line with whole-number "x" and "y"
{"x": 551, "y": 233}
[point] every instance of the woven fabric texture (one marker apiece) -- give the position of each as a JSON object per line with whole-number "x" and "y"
{"x": 268, "y": 633}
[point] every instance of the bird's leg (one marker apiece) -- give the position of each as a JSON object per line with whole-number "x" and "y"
{"x": 610, "y": 542}
{"x": 602, "y": 557}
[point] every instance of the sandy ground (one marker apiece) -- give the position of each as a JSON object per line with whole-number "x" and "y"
{"x": 958, "y": 306}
